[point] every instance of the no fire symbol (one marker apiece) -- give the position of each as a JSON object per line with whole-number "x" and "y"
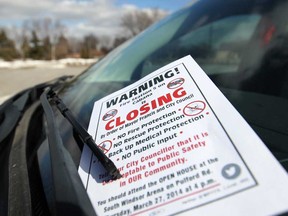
{"x": 105, "y": 146}
{"x": 194, "y": 108}
{"x": 175, "y": 83}
{"x": 109, "y": 115}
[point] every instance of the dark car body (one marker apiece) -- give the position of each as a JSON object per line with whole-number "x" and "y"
{"x": 241, "y": 45}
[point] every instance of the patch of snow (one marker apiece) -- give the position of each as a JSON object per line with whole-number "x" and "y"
{"x": 62, "y": 63}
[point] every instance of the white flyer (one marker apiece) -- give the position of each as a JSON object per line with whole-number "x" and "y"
{"x": 181, "y": 148}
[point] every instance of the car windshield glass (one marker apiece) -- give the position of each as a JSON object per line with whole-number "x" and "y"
{"x": 241, "y": 44}
{"x": 234, "y": 45}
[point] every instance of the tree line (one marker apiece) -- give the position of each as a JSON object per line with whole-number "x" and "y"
{"x": 32, "y": 46}
{"x": 45, "y": 39}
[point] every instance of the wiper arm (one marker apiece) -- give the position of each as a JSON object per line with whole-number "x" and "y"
{"x": 84, "y": 135}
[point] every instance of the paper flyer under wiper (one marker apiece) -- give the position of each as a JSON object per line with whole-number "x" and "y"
{"x": 181, "y": 148}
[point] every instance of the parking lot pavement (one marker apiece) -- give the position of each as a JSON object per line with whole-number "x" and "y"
{"x": 15, "y": 80}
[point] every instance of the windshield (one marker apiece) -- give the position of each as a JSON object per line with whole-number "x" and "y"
{"x": 240, "y": 44}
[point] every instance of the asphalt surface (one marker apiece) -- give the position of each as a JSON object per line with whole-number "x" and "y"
{"x": 15, "y": 80}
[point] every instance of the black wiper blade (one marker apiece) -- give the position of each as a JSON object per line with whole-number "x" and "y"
{"x": 84, "y": 135}
{"x": 70, "y": 196}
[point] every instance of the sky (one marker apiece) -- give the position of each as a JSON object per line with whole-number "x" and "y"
{"x": 81, "y": 17}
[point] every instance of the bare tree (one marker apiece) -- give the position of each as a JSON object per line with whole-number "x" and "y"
{"x": 119, "y": 40}
{"x": 138, "y": 20}
{"x": 62, "y": 47}
{"x": 89, "y": 46}
{"x": 57, "y": 30}
{"x": 75, "y": 44}
{"x": 25, "y": 48}
{"x": 48, "y": 30}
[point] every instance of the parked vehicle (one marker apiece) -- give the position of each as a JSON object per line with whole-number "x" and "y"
{"x": 241, "y": 44}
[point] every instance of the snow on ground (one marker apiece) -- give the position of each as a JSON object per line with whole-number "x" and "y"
{"x": 62, "y": 63}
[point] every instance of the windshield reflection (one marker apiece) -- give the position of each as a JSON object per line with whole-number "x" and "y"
{"x": 240, "y": 44}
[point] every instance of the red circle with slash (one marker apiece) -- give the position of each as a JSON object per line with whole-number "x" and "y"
{"x": 175, "y": 83}
{"x": 194, "y": 108}
{"x": 105, "y": 146}
{"x": 109, "y": 115}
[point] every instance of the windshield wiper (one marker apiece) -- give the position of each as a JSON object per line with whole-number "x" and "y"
{"x": 79, "y": 129}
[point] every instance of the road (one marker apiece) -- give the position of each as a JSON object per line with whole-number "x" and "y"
{"x": 15, "y": 80}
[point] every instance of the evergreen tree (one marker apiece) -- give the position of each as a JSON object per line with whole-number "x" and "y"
{"x": 36, "y": 50}
{"x": 8, "y": 51}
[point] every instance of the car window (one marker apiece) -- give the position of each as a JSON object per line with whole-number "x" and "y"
{"x": 120, "y": 64}
{"x": 241, "y": 44}
{"x": 217, "y": 46}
